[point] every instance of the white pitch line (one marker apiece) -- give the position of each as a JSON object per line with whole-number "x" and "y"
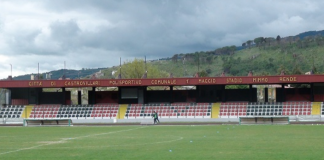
{"x": 126, "y": 145}
{"x": 91, "y": 135}
{"x": 66, "y": 139}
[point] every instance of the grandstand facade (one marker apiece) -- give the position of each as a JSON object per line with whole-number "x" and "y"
{"x": 206, "y": 99}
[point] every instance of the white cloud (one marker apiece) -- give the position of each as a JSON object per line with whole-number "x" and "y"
{"x": 89, "y": 34}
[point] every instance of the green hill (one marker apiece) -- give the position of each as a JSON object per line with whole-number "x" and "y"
{"x": 291, "y": 54}
{"x": 269, "y": 56}
{"x": 69, "y": 73}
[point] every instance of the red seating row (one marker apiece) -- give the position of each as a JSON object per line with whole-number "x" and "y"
{"x": 296, "y": 109}
{"x": 234, "y": 103}
{"x": 52, "y": 111}
{"x": 42, "y": 116}
{"x": 233, "y": 110}
{"x": 104, "y": 115}
{"x": 245, "y": 109}
{"x": 104, "y": 111}
{"x": 233, "y": 114}
{"x": 175, "y": 110}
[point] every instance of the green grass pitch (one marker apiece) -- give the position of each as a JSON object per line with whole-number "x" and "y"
{"x": 162, "y": 142}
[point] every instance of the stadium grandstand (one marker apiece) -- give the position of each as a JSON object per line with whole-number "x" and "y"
{"x": 207, "y": 100}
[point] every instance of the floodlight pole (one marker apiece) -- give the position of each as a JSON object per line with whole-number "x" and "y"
{"x": 198, "y": 63}
{"x": 64, "y": 69}
{"x": 38, "y": 73}
{"x": 145, "y": 64}
{"x": 11, "y": 69}
{"x": 313, "y": 62}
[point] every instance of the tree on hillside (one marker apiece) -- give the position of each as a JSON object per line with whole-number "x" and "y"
{"x": 244, "y": 45}
{"x": 232, "y": 49}
{"x": 296, "y": 70}
{"x": 225, "y": 50}
{"x": 136, "y": 69}
{"x": 208, "y": 71}
{"x": 281, "y": 69}
{"x": 318, "y": 40}
{"x": 226, "y": 64}
{"x": 203, "y": 73}
{"x": 299, "y": 43}
{"x": 175, "y": 58}
{"x": 278, "y": 39}
{"x": 209, "y": 59}
{"x": 264, "y": 73}
{"x": 290, "y": 39}
{"x": 258, "y": 41}
{"x": 249, "y": 42}
{"x": 190, "y": 58}
{"x": 314, "y": 70}
{"x": 270, "y": 59}
{"x": 269, "y": 40}
{"x": 306, "y": 41}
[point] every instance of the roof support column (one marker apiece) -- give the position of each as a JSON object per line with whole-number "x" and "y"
{"x": 250, "y": 93}
{"x": 171, "y": 94}
{"x": 283, "y": 99}
{"x": 266, "y": 94}
{"x": 119, "y": 95}
{"x": 197, "y": 94}
{"x": 145, "y": 94}
{"x": 93, "y": 95}
{"x": 79, "y": 97}
{"x": 64, "y": 96}
{"x": 223, "y": 95}
{"x": 312, "y": 92}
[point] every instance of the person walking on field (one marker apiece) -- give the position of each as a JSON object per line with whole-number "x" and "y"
{"x": 156, "y": 117}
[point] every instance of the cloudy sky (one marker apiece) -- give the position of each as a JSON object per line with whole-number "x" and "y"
{"x": 95, "y": 33}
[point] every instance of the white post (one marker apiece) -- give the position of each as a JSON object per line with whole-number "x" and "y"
{"x": 11, "y": 70}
